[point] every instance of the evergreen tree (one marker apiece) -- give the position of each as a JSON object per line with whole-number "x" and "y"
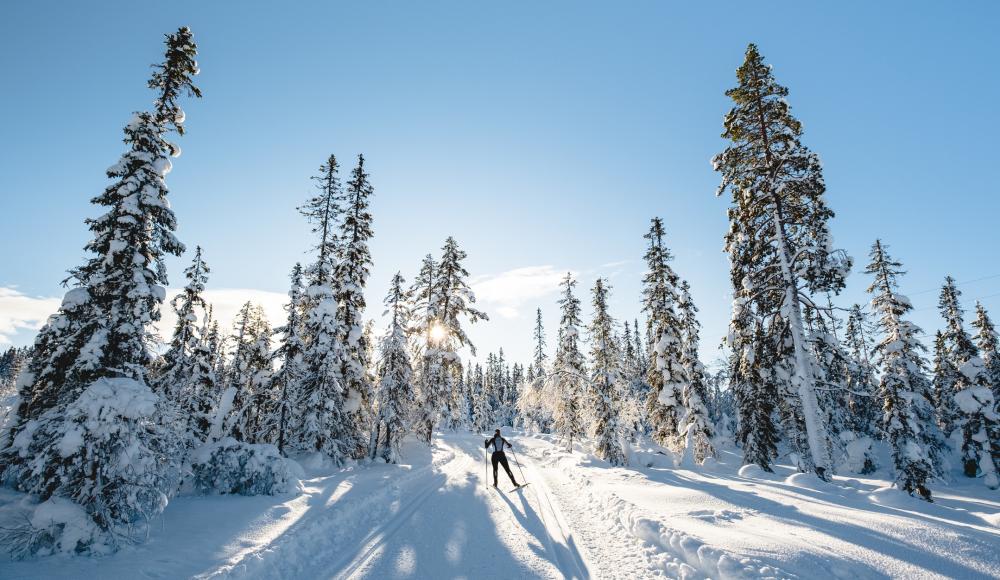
{"x": 448, "y": 300}
{"x": 350, "y": 277}
{"x": 665, "y": 373}
{"x": 945, "y": 379}
{"x": 863, "y": 414}
{"x": 908, "y": 421}
{"x": 755, "y": 392}
{"x": 989, "y": 348}
{"x": 778, "y": 241}
{"x": 395, "y": 375}
{"x": 480, "y": 402}
{"x": 250, "y": 377}
{"x": 538, "y": 364}
{"x": 326, "y": 423}
{"x": 696, "y": 424}
{"x": 176, "y": 369}
{"x": 202, "y": 389}
{"x": 977, "y": 414}
{"x": 568, "y": 378}
{"x": 604, "y": 398}
{"x": 287, "y": 382}
{"x": 93, "y": 353}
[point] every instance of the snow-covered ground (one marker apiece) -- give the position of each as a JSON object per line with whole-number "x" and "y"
{"x": 579, "y": 518}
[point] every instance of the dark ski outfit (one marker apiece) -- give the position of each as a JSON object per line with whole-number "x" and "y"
{"x": 500, "y": 457}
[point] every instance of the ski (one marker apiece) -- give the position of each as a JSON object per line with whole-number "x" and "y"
{"x": 519, "y": 487}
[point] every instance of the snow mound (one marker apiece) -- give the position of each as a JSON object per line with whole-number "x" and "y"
{"x": 229, "y": 466}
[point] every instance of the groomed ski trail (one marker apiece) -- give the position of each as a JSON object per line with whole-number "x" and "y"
{"x": 437, "y": 521}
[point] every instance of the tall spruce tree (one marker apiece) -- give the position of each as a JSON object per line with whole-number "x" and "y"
{"x": 448, "y": 299}
{"x": 326, "y": 424}
{"x": 94, "y": 351}
{"x": 395, "y": 374}
{"x": 568, "y": 377}
{"x": 604, "y": 397}
{"x": 696, "y": 425}
{"x": 778, "y": 241}
{"x": 350, "y": 277}
{"x": 665, "y": 373}
{"x": 989, "y": 347}
{"x": 908, "y": 421}
{"x": 977, "y": 419}
{"x": 249, "y": 391}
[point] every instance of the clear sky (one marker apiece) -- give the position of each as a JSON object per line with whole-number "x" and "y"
{"x": 542, "y": 135}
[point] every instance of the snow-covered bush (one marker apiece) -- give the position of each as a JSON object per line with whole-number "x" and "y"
{"x": 229, "y": 466}
{"x": 108, "y": 453}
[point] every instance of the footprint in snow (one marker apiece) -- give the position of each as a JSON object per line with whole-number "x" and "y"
{"x": 719, "y": 515}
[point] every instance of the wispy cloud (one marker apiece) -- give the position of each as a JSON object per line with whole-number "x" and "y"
{"x": 19, "y": 312}
{"x": 505, "y": 294}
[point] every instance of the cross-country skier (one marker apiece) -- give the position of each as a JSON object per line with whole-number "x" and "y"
{"x": 500, "y": 457}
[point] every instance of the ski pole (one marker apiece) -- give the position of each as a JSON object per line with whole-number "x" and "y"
{"x": 518, "y": 464}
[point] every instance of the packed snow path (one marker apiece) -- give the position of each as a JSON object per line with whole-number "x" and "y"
{"x": 579, "y": 518}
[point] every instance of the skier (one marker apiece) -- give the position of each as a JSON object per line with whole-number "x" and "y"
{"x": 500, "y": 457}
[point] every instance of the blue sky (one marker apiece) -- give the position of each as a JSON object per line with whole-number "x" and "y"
{"x": 542, "y": 135}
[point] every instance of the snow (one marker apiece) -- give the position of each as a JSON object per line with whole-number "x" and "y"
{"x": 433, "y": 517}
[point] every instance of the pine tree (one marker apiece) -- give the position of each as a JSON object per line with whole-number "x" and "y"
{"x": 202, "y": 389}
{"x": 448, "y": 299}
{"x": 395, "y": 374}
{"x": 696, "y": 424}
{"x": 350, "y": 277}
{"x": 287, "y": 382}
{"x": 93, "y": 353}
{"x": 778, "y": 241}
{"x": 568, "y": 376}
{"x": 539, "y": 335}
{"x": 989, "y": 348}
{"x": 755, "y": 392}
{"x": 908, "y": 421}
{"x": 665, "y": 373}
{"x": 977, "y": 414}
{"x": 604, "y": 397}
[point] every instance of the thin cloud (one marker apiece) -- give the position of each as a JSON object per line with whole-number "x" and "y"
{"x": 19, "y": 312}
{"x": 505, "y": 294}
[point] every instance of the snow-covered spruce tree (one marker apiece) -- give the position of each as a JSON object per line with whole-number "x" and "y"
{"x": 200, "y": 396}
{"x": 696, "y": 425}
{"x": 778, "y": 241}
{"x": 326, "y": 425}
{"x": 567, "y": 379}
{"x": 945, "y": 377}
{"x": 247, "y": 398}
{"x": 286, "y": 385}
{"x": 449, "y": 299}
{"x": 908, "y": 421}
{"x": 394, "y": 391}
{"x": 604, "y": 396}
{"x": 665, "y": 373}
{"x": 538, "y": 363}
{"x": 989, "y": 347}
{"x": 977, "y": 419}
{"x": 176, "y": 368}
{"x": 87, "y": 427}
{"x": 480, "y": 402}
{"x": 350, "y": 277}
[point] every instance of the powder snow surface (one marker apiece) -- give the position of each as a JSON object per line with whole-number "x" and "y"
{"x": 579, "y": 518}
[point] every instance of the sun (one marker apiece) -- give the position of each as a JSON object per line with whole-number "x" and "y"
{"x": 438, "y": 332}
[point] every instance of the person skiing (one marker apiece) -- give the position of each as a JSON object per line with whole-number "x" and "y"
{"x": 498, "y": 443}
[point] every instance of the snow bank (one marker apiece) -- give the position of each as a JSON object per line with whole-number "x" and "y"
{"x": 229, "y": 466}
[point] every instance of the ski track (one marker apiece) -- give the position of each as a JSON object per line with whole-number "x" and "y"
{"x": 439, "y": 521}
